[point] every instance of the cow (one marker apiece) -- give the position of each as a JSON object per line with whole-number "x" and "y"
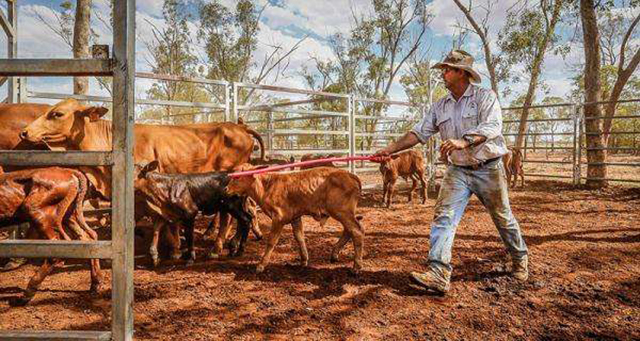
{"x": 178, "y": 198}
{"x": 50, "y": 199}
{"x": 513, "y": 166}
{"x": 309, "y": 157}
{"x": 14, "y": 118}
{"x": 191, "y": 148}
{"x": 409, "y": 164}
{"x": 273, "y": 161}
{"x": 319, "y": 192}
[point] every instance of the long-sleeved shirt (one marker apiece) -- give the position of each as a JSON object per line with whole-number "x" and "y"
{"x": 477, "y": 112}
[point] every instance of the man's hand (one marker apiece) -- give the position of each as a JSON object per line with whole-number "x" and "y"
{"x": 450, "y": 145}
{"x": 381, "y": 155}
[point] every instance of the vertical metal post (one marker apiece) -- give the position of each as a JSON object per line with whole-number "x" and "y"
{"x": 12, "y": 48}
{"x": 270, "y": 128}
{"x": 227, "y": 103}
{"x": 23, "y": 95}
{"x": 122, "y": 169}
{"x": 352, "y": 132}
{"x": 576, "y": 177}
{"x": 578, "y": 163}
{"x": 235, "y": 102}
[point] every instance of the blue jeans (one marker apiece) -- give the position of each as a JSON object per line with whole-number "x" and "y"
{"x": 489, "y": 184}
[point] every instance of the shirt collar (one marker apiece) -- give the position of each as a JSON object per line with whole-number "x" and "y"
{"x": 467, "y": 93}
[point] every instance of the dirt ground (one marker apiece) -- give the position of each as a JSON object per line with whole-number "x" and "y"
{"x": 584, "y": 284}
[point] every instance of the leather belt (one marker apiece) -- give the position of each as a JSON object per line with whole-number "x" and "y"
{"x": 481, "y": 164}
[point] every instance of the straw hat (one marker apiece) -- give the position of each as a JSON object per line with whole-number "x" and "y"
{"x": 460, "y": 60}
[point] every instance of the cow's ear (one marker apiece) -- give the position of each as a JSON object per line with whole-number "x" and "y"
{"x": 151, "y": 166}
{"x": 94, "y": 113}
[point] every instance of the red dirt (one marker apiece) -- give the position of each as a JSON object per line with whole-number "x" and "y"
{"x": 584, "y": 283}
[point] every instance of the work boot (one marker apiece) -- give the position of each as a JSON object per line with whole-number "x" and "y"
{"x": 520, "y": 269}
{"x": 13, "y": 264}
{"x": 434, "y": 279}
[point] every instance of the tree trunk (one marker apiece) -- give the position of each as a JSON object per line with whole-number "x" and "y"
{"x": 623, "y": 76}
{"x": 81, "y": 32}
{"x": 535, "y": 73}
{"x": 593, "y": 93}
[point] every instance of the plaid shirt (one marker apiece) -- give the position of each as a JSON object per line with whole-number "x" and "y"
{"x": 477, "y": 112}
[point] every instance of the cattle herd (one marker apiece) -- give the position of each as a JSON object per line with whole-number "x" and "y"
{"x": 182, "y": 171}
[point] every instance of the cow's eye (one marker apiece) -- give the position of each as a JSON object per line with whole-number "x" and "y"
{"x": 56, "y": 114}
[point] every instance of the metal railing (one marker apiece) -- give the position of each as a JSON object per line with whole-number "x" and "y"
{"x": 208, "y": 108}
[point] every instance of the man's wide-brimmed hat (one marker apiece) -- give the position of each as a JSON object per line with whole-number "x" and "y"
{"x": 460, "y": 60}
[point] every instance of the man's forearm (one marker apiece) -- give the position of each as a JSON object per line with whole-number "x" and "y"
{"x": 407, "y": 141}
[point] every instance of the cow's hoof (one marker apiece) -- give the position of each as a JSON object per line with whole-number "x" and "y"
{"x": 20, "y": 301}
{"x": 260, "y": 269}
{"x": 238, "y": 253}
{"x": 304, "y": 263}
{"x": 95, "y": 288}
{"x": 176, "y": 256}
{"x": 13, "y": 264}
{"x": 260, "y": 237}
{"x": 213, "y": 255}
{"x": 189, "y": 262}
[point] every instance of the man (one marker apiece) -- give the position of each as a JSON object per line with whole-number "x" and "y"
{"x": 469, "y": 121}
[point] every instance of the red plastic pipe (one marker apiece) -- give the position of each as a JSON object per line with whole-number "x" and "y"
{"x": 371, "y": 158}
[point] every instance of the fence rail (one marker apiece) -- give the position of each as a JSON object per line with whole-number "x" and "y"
{"x": 271, "y": 117}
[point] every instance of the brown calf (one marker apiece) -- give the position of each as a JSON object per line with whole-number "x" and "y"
{"x": 50, "y": 199}
{"x": 320, "y": 192}
{"x": 513, "y": 166}
{"x": 409, "y": 164}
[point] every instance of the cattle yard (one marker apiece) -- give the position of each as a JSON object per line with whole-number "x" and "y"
{"x": 584, "y": 244}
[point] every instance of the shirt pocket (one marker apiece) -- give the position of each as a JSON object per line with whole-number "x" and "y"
{"x": 445, "y": 127}
{"x": 470, "y": 117}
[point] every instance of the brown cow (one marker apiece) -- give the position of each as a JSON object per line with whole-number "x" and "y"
{"x": 272, "y": 160}
{"x": 320, "y": 192}
{"x": 513, "y": 166}
{"x": 14, "y": 118}
{"x": 409, "y": 164}
{"x": 50, "y": 199}
{"x": 308, "y": 157}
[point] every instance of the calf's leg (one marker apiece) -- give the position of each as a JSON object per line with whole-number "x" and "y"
{"x": 352, "y": 225}
{"x": 276, "y": 231}
{"x": 344, "y": 239}
{"x": 298, "y": 233}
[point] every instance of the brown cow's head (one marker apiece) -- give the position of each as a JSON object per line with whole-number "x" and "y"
{"x": 64, "y": 121}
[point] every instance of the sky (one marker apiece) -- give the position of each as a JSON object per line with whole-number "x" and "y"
{"x": 283, "y": 22}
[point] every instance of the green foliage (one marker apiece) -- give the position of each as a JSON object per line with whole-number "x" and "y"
{"x": 230, "y": 39}
{"x": 521, "y": 41}
{"x": 368, "y": 59}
